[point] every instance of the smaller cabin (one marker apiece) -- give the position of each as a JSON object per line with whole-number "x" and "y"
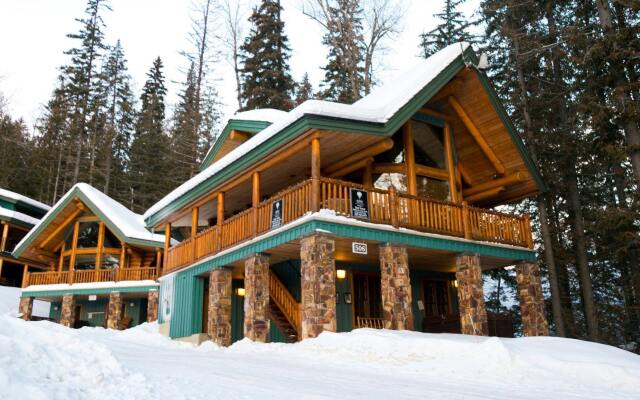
{"x": 18, "y": 214}
{"x": 99, "y": 263}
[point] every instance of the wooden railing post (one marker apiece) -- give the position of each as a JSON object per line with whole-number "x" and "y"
{"x": 526, "y": 222}
{"x": 315, "y": 174}
{"x": 194, "y": 231}
{"x": 393, "y": 206}
{"x": 255, "y": 200}
{"x": 25, "y": 276}
{"x": 466, "y": 221}
{"x": 220, "y": 221}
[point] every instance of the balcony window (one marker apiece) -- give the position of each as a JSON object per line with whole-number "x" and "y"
{"x": 88, "y": 234}
{"x": 85, "y": 261}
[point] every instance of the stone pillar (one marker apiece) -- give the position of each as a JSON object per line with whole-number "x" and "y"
{"x": 534, "y": 322}
{"x": 67, "y": 313}
{"x": 473, "y": 314}
{"x": 26, "y": 307}
{"x": 152, "y": 306}
{"x": 256, "y": 298}
{"x": 318, "y": 283}
{"x": 114, "y": 312}
{"x": 219, "y": 323}
{"x": 395, "y": 287}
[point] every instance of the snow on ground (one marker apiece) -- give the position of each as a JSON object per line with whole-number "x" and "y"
{"x": 43, "y": 360}
{"x": 10, "y": 300}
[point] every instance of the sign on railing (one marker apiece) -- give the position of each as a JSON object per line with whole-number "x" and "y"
{"x": 276, "y": 214}
{"x": 359, "y": 203}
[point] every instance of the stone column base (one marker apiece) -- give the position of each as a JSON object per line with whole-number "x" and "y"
{"x": 219, "y": 323}
{"x": 534, "y": 321}
{"x": 67, "y": 313}
{"x": 256, "y": 298}
{"x": 395, "y": 287}
{"x": 318, "y": 283}
{"x": 152, "y": 306}
{"x": 26, "y": 308}
{"x": 114, "y": 313}
{"x": 473, "y": 314}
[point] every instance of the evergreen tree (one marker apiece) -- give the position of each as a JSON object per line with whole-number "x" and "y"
{"x": 453, "y": 27}
{"x": 184, "y": 138}
{"x": 149, "y": 164}
{"x": 266, "y": 80}
{"x": 304, "y": 90}
{"x": 344, "y": 73}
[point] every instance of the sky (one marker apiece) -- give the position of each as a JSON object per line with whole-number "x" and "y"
{"x": 34, "y": 39}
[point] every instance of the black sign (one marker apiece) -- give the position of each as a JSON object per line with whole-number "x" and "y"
{"x": 359, "y": 204}
{"x": 276, "y": 214}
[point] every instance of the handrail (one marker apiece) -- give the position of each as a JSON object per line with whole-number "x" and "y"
{"x": 91, "y": 275}
{"x": 285, "y": 301}
{"x": 369, "y": 322}
{"x": 385, "y": 207}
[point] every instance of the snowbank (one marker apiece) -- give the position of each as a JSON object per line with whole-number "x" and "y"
{"x": 10, "y": 300}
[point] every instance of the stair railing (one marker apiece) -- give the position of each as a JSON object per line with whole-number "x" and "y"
{"x": 285, "y": 301}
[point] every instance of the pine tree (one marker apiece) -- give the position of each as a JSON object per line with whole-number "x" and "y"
{"x": 344, "y": 73}
{"x": 266, "y": 80}
{"x": 149, "y": 166}
{"x": 184, "y": 138}
{"x": 304, "y": 90}
{"x": 453, "y": 27}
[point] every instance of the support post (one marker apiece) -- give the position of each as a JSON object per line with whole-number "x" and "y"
{"x": 367, "y": 177}
{"x": 255, "y": 200}
{"x": 534, "y": 321}
{"x": 5, "y": 235}
{"x": 25, "y": 275}
{"x": 67, "y": 312}
{"x": 466, "y": 221}
{"x": 315, "y": 174}
{"x": 393, "y": 206}
{"x": 74, "y": 249}
{"x": 114, "y": 310}
{"x": 473, "y": 314}
{"x": 220, "y": 220}
{"x": 395, "y": 287}
{"x": 219, "y": 314}
{"x": 99, "y": 249}
{"x": 410, "y": 159}
{"x": 26, "y": 308}
{"x": 152, "y": 306}
{"x": 167, "y": 244}
{"x": 318, "y": 284}
{"x": 451, "y": 165}
{"x": 256, "y": 299}
{"x": 194, "y": 232}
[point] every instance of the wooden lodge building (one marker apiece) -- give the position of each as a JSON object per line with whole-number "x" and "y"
{"x": 18, "y": 214}
{"x": 328, "y": 217}
{"x": 334, "y": 216}
{"x": 100, "y": 264}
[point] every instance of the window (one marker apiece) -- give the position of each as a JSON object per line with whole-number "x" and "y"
{"x": 436, "y": 298}
{"x": 110, "y": 261}
{"x": 85, "y": 261}
{"x": 428, "y": 145}
{"x": 88, "y": 234}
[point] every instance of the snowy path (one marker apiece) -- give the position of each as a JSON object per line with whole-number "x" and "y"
{"x": 43, "y": 360}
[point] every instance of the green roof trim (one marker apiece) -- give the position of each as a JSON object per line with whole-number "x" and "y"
{"x": 310, "y": 121}
{"x": 16, "y": 221}
{"x": 78, "y": 194}
{"x": 187, "y": 292}
{"x": 233, "y": 124}
{"x": 83, "y": 291}
{"x": 22, "y": 206}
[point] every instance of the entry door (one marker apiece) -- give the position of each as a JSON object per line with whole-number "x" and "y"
{"x": 77, "y": 313}
{"x": 367, "y": 301}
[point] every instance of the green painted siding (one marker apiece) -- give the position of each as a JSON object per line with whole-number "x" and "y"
{"x": 95, "y": 312}
{"x": 55, "y": 310}
{"x": 275, "y": 335}
{"x": 289, "y": 274}
{"x": 417, "y": 278}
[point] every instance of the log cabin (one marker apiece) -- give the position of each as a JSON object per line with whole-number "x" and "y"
{"x": 378, "y": 214}
{"x": 18, "y": 214}
{"x": 100, "y": 264}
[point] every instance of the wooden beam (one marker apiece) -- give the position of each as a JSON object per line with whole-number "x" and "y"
{"x": 255, "y": 189}
{"x": 25, "y": 275}
{"x": 194, "y": 221}
{"x": 484, "y": 195}
{"x": 1, "y": 262}
{"x": 123, "y": 255}
{"x": 435, "y": 114}
{"x": 367, "y": 176}
{"x": 430, "y": 172}
{"x": 373, "y": 150}
{"x": 61, "y": 260}
{"x": 74, "y": 249}
{"x": 99, "y": 249}
{"x": 410, "y": 159}
{"x": 504, "y": 181}
{"x": 449, "y": 90}
{"x": 352, "y": 167}
{"x": 477, "y": 135}
{"x": 451, "y": 165}
{"x": 381, "y": 168}
{"x": 60, "y": 227}
{"x": 5, "y": 234}
{"x": 316, "y": 165}
{"x": 167, "y": 243}
{"x": 463, "y": 172}
{"x": 239, "y": 136}
{"x": 220, "y": 216}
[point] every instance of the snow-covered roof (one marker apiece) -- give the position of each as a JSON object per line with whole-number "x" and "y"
{"x": 125, "y": 221}
{"x": 264, "y": 114}
{"x": 16, "y": 197}
{"x": 377, "y": 107}
{"x": 18, "y": 216}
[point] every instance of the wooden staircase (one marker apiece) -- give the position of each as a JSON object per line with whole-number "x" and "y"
{"x": 284, "y": 309}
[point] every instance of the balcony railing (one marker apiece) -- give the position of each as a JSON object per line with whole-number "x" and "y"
{"x": 385, "y": 207}
{"x": 87, "y": 276}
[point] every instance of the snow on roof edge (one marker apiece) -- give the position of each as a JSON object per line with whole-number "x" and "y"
{"x": 378, "y": 107}
{"x": 11, "y": 214}
{"x": 19, "y": 197}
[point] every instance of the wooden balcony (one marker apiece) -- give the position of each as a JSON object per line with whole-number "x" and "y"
{"x": 87, "y": 276}
{"x": 385, "y": 207}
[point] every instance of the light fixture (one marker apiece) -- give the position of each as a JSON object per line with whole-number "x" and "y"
{"x": 341, "y": 273}
{"x": 455, "y": 283}
{"x": 240, "y": 291}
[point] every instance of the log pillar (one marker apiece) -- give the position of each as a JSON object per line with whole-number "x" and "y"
{"x": 114, "y": 312}
{"x": 219, "y": 323}
{"x": 534, "y": 321}
{"x": 473, "y": 314}
{"x": 67, "y": 313}
{"x": 395, "y": 287}
{"x": 318, "y": 283}
{"x": 26, "y": 308}
{"x": 256, "y": 299}
{"x": 152, "y": 306}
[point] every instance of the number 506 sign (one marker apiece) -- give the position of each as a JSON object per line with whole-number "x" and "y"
{"x": 359, "y": 248}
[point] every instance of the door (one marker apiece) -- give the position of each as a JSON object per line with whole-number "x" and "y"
{"x": 205, "y": 306}
{"x": 367, "y": 301}
{"x": 77, "y": 314}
